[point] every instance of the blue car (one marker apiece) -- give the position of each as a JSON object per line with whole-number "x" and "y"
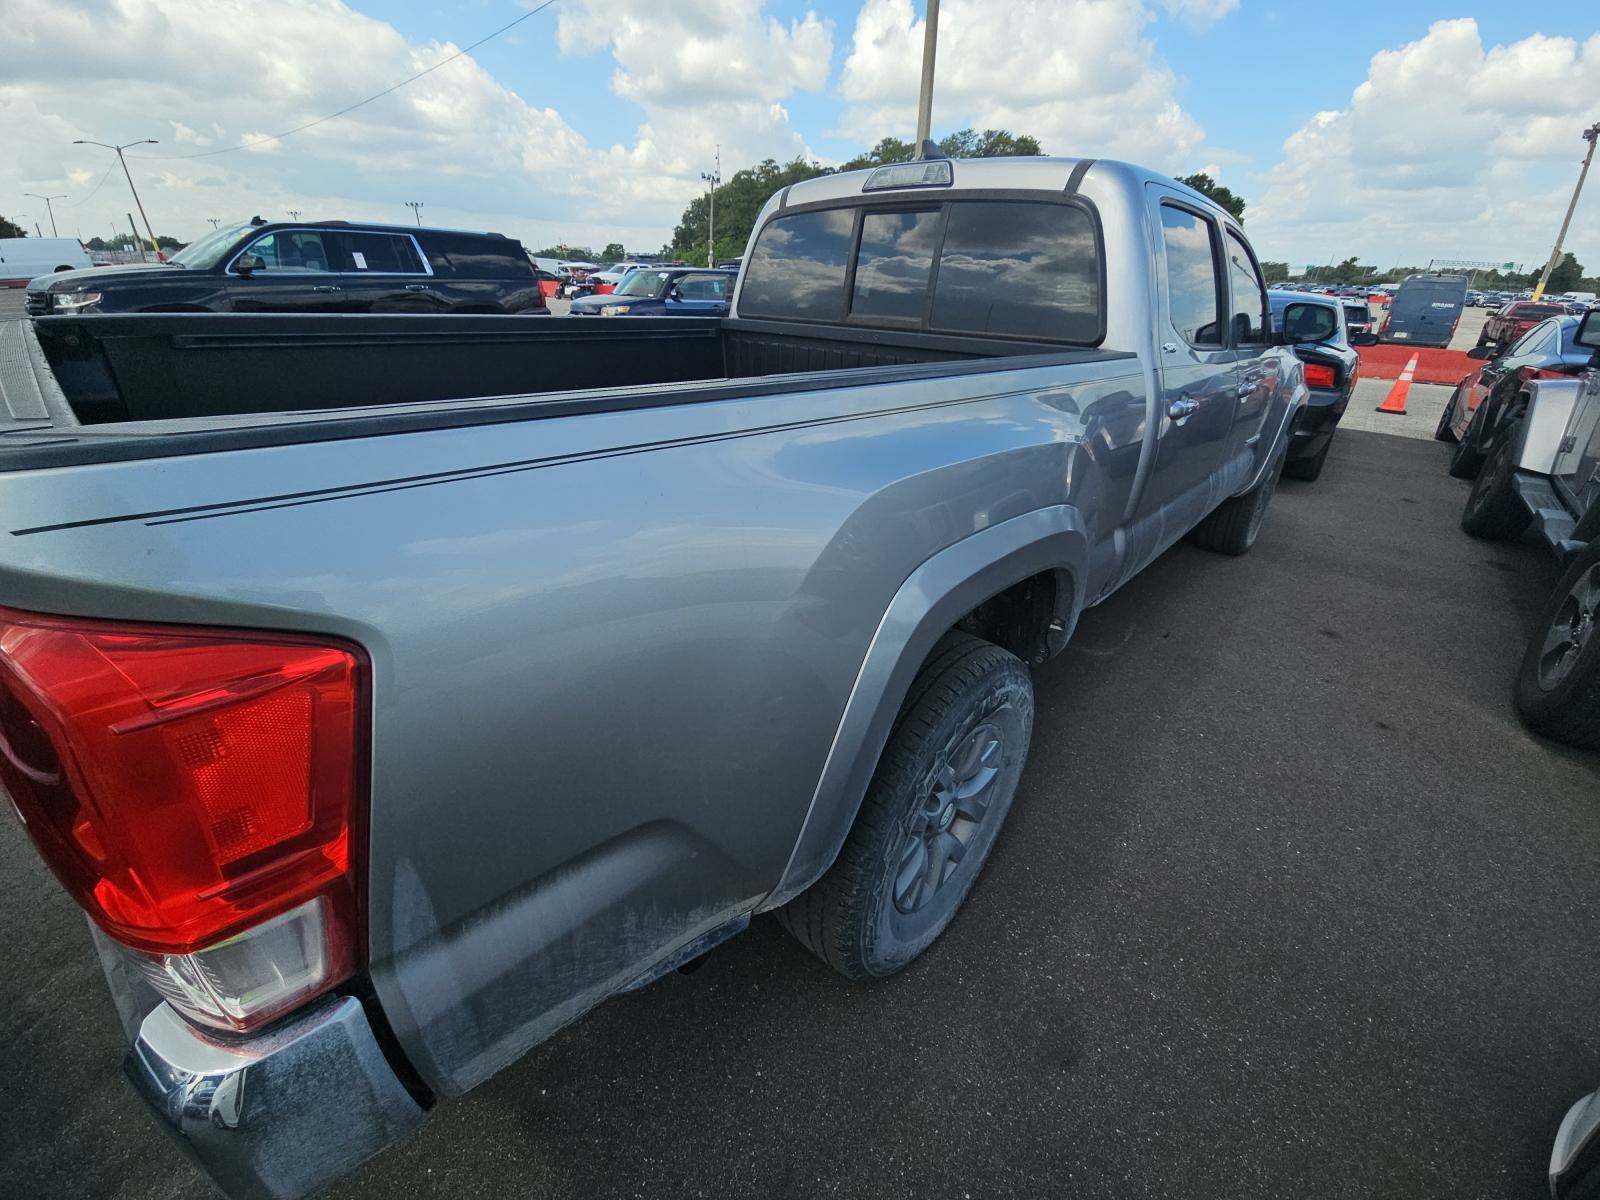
{"x": 664, "y": 292}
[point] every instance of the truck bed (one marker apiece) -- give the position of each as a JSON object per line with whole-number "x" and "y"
{"x": 105, "y": 388}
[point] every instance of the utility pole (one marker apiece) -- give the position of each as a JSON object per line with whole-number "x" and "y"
{"x": 294, "y": 213}
{"x": 416, "y": 210}
{"x": 137, "y": 203}
{"x": 48, "y": 209}
{"x": 714, "y": 178}
{"x": 930, "y": 37}
{"x": 1590, "y": 135}
{"x": 216, "y": 223}
{"x": 138, "y": 245}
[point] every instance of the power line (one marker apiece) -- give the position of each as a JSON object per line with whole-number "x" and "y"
{"x": 93, "y": 190}
{"x": 359, "y": 103}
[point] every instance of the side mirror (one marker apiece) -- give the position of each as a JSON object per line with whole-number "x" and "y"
{"x": 675, "y": 294}
{"x": 1364, "y": 339}
{"x": 1589, "y": 330}
{"x": 247, "y": 264}
{"x": 1480, "y": 352}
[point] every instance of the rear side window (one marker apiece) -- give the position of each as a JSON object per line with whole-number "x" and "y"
{"x": 476, "y": 257}
{"x": 381, "y": 253}
{"x": 1249, "y": 320}
{"x": 702, "y": 287}
{"x": 1191, "y": 276}
{"x": 797, "y": 268}
{"x": 1019, "y": 270}
{"x": 894, "y": 264}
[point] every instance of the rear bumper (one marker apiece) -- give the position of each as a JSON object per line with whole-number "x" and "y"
{"x": 1315, "y": 423}
{"x": 279, "y": 1114}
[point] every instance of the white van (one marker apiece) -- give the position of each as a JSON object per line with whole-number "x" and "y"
{"x": 22, "y": 259}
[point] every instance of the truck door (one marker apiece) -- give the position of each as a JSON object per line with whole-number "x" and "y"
{"x": 1249, "y": 335}
{"x": 385, "y": 272}
{"x": 1196, "y": 374}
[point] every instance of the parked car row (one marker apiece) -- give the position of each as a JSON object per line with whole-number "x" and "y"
{"x": 1527, "y": 432}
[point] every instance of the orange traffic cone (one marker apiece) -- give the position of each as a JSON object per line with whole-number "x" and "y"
{"x": 1395, "y": 401}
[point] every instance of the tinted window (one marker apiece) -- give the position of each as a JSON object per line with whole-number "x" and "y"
{"x": 386, "y": 253}
{"x": 476, "y": 257}
{"x": 797, "y": 268}
{"x": 1019, "y": 270}
{"x": 1249, "y": 306}
{"x": 702, "y": 287}
{"x": 1528, "y": 343}
{"x": 893, "y": 264}
{"x": 642, "y": 283}
{"x": 1191, "y": 276}
{"x": 291, "y": 250}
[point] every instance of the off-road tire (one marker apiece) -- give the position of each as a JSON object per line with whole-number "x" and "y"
{"x": 1493, "y": 510}
{"x": 852, "y": 918}
{"x": 1566, "y": 709}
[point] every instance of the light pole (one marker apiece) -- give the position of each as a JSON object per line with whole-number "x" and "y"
{"x": 137, "y": 203}
{"x": 1590, "y": 135}
{"x": 416, "y": 210}
{"x": 216, "y": 222}
{"x": 930, "y": 37}
{"x": 294, "y": 213}
{"x": 48, "y": 209}
{"x": 714, "y": 178}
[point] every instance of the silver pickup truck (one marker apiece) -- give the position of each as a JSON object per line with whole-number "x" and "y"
{"x": 1542, "y": 471}
{"x": 391, "y": 690}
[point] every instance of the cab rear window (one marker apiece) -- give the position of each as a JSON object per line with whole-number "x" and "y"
{"x": 998, "y": 268}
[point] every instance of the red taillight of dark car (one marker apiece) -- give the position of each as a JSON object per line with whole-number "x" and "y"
{"x": 201, "y": 793}
{"x": 1320, "y": 375}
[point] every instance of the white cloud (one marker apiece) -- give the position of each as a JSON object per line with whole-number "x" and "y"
{"x": 477, "y": 152}
{"x": 1200, "y": 12}
{"x": 1077, "y": 74}
{"x": 1446, "y": 149}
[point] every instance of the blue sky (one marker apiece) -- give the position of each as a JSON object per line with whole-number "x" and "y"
{"x": 1398, "y": 131}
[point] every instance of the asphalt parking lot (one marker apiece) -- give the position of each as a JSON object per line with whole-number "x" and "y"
{"x": 1289, "y": 904}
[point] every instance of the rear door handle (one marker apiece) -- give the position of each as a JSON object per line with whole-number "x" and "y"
{"x": 327, "y": 287}
{"x": 1181, "y": 409}
{"x": 416, "y": 287}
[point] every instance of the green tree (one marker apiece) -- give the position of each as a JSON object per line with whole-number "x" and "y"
{"x": 96, "y": 243}
{"x": 567, "y": 253}
{"x": 1209, "y": 187}
{"x": 1275, "y": 272}
{"x": 613, "y": 252}
{"x": 168, "y": 243}
{"x": 1567, "y": 275}
{"x": 741, "y": 197}
{"x": 739, "y": 202}
{"x": 10, "y": 229}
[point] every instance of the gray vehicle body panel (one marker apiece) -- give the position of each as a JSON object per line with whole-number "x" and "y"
{"x": 632, "y": 669}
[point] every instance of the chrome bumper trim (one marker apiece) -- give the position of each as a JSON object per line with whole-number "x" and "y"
{"x": 279, "y": 1114}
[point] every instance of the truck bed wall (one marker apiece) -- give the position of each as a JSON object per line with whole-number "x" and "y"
{"x": 154, "y": 367}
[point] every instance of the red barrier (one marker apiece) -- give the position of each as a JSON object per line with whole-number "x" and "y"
{"x": 1433, "y": 366}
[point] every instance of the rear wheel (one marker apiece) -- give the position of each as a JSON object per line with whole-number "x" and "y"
{"x": 1494, "y": 510}
{"x": 1442, "y": 432}
{"x": 1308, "y": 469}
{"x": 1558, "y": 686}
{"x": 1466, "y": 458}
{"x": 1235, "y": 524}
{"x": 931, "y": 815}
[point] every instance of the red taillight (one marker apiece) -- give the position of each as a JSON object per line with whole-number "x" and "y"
{"x": 1320, "y": 375}
{"x": 188, "y": 785}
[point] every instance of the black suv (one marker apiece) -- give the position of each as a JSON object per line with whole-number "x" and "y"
{"x": 322, "y": 266}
